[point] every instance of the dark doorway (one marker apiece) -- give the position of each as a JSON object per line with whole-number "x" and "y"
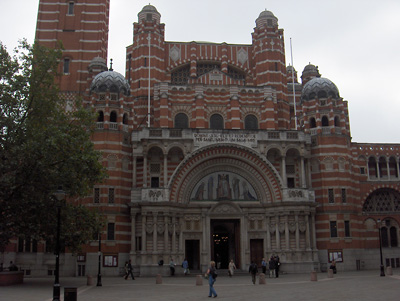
{"x": 256, "y": 251}
{"x": 225, "y": 242}
{"x": 192, "y": 254}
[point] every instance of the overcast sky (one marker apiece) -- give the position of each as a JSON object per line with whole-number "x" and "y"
{"x": 355, "y": 43}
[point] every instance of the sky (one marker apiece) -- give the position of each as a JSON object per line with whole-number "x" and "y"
{"x": 354, "y": 43}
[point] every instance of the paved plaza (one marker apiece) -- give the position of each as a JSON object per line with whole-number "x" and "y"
{"x": 362, "y": 285}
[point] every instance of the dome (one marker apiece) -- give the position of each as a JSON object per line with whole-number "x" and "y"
{"x": 268, "y": 18}
{"x": 319, "y": 87}
{"x": 149, "y": 13}
{"x": 98, "y": 62}
{"x": 110, "y": 81}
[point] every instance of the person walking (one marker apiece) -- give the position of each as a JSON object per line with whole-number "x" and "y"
{"x": 212, "y": 275}
{"x": 129, "y": 271}
{"x": 172, "y": 267}
{"x": 231, "y": 268}
{"x": 264, "y": 266}
{"x": 253, "y": 270}
{"x": 185, "y": 266}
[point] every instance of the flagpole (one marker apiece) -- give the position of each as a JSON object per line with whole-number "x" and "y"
{"x": 294, "y": 95}
{"x": 148, "y": 91}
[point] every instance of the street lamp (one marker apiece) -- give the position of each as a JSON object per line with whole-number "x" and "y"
{"x": 380, "y": 248}
{"x": 99, "y": 267}
{"x": 59, "y": 195}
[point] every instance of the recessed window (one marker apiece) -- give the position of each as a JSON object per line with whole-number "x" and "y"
{"x": 155, "y": 182}
{"x": 331, "y": 196}
{"x": 217, "y": 122}
{"x": 181, "y": 121}
{"x": 71, "y": 8}
{"x": 66, "y": 65}
{"x": 347, "y": 228}
{"x": 111, "y": 231}
{"x": 344, "y": 196}
{"x": 96, "y": 196}
{"x": 111, "y": 195}
{"x": 333, "y": 227}
{"x": 251, "y": 122}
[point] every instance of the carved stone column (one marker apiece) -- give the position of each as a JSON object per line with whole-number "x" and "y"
{"x": 303, "y": 173}
{"x": 297, "y": 232}
{"x": 173, "y": 234}
{"x": 145, "y": 170}
{"x": 284, "y": 178}
{"x": 268, "y": 234}
{"x": 314, "y": 234}
{"x": 277, "y": 234}
{"x": 144, "y": 249}
{"x": 134, "y": 168}
{"x": 166, "y": 218}
{"x": 165, "y": 170}
{"x": 287, "y": 233}
{"x": 155, "y": 216}
{"x": 308, "y": 246}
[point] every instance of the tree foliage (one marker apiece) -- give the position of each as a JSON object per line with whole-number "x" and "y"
{"x": 44, "y": 144}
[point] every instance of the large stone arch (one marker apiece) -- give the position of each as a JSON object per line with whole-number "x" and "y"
{"x": 226, "y": 158}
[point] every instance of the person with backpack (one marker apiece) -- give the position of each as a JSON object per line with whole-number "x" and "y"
{"x": 253, "y": 270}
{"x": 212, "y": 276}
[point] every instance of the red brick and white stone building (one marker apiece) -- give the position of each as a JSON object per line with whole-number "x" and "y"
{"x": 220, "y": 165}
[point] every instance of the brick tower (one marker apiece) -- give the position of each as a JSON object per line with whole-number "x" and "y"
{"x": 82, "y": 27}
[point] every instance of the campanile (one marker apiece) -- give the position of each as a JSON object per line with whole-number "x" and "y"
{"x": 82, "y": 27}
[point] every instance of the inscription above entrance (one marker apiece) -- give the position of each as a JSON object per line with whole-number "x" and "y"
{"x": 202, "y": 139}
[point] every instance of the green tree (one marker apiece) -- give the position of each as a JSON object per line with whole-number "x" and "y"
{"x": 44, "y": 144}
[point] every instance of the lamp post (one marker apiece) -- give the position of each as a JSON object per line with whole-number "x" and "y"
{"x": 59, "y": 196}
{"x": 380, "y": 248}
{"x": 99, "y": 267}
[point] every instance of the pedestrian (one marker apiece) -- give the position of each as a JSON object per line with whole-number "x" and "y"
{"x": 172, "y": 267}
{"x": 271, "y": 265}
{"x": 277, "y": 265}
{"x": 253, "y": 270}
{"x": 264, "y": 266}
{"x": 212, "y": 276}
{"x": 333, "y": 267}
{"x": 231, "y": 267}
{"x": 185, "y": 266}
{"x": 129, "y": 271}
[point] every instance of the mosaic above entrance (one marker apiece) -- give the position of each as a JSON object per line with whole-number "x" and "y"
{"x": 223, "y": 186}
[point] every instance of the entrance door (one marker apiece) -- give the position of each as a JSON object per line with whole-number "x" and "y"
{"x": 192, "y": 254}
{"x": 225, "y": 242}
{"x": 256, "y": 251}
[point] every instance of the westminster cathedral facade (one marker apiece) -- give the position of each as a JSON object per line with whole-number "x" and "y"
{"x": 218, "y": 151}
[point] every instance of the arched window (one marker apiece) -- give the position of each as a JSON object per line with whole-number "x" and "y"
{"x": 66, "y": 65}
{"x": 125, "y": 119}
{"x": 337, "y": 121}
{"x": 216, "y": 122}
{"x": 181, "y": 121}
{"x": 113, "y": 116}
{"x": 100, "y": 117}
{"x": 313, "y": 123}
{"x": 325, "y": 121}
{"x": 251, "y": 122}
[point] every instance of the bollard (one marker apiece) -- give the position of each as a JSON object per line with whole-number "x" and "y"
{"x": 330, "y": 273}
{"x": 389, "y": 271}
{"x": 261, "y": 278}
{"x": 89, "y": 280}
{"x": 70, "y": 294}
{"x": 158, "y": 279}
{"x": 314, "y": 276}
{"x": 199, "y": 280}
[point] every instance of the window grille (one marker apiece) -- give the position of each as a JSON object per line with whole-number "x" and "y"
{"x": 205, "y": 68}
{"x": 273, "y": 135}
{"x": 344, "y": 196}
{"x": 181, "y": 76}
{"x": 155, "y": 168}
{"x": 96, "y": 197}
{"x": 111, "y": 196}
{"x": 331, "y": 196}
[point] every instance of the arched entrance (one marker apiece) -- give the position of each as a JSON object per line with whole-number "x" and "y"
{"x": 225, "y": 242}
